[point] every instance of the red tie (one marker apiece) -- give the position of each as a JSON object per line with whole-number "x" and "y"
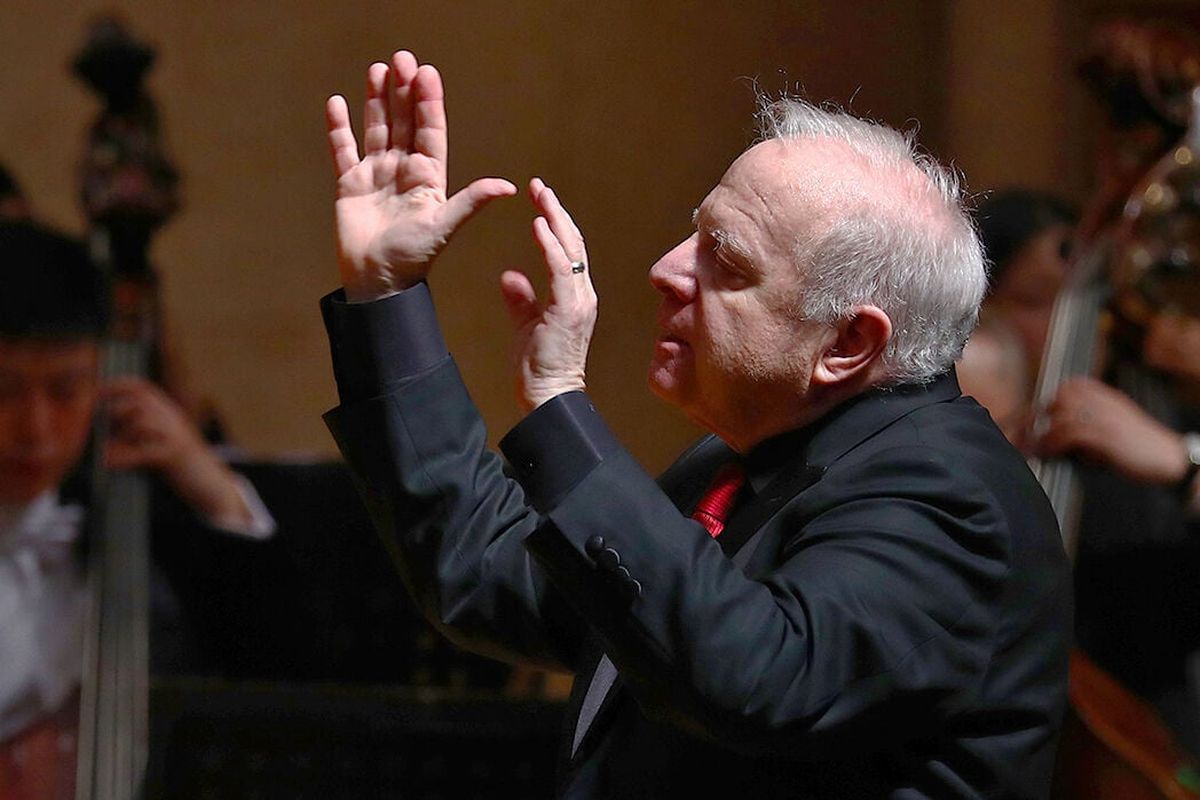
{"x": 717, "y": 502}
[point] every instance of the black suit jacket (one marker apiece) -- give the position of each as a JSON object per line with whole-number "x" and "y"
{"x": 892, "y": 619}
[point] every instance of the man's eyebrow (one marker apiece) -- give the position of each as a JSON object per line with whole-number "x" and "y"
{"x": 725, "y": 241}
{"x": 729, "y": 242}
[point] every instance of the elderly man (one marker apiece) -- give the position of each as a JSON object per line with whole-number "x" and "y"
{"x": 853, "y": 588}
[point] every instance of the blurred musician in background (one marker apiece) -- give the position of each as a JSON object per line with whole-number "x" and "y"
{"x": 52, "y": 317}
{"x": 1138, "y": 559}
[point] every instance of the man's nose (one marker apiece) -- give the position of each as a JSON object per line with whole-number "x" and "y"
{"x": 675, "y": 273}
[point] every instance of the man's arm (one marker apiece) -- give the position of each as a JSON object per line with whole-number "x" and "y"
{"x": 452, "y": 519}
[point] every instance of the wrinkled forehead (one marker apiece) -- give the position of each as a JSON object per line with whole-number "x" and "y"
{"x": 778, "y": 192}
{"x": 803, "y": 185}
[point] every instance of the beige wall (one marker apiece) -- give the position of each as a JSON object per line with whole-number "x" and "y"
{"x": 1006, "y": 68}
{"x": 630, "y": 109}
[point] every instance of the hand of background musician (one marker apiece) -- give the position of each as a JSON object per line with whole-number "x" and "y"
{"x": 1092, "y": 420}
{"x": 148, "y": 430}
{"x": 392, "y": 213}
{"x": 1173, "y": 344}
{"x": 551, "y": 341}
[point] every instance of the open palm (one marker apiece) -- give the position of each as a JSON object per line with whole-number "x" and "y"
{"x": 393, "y": 215}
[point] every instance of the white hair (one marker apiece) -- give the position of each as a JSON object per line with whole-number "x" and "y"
{"x": 901, "y": 240}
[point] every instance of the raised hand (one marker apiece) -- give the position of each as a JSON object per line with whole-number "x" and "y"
{"x": 393, "y": 216}
{"x": 551, "y": 342}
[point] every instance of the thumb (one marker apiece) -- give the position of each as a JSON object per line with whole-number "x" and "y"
{"x": 471, "y": 198}
{"x": 519, "y": 298}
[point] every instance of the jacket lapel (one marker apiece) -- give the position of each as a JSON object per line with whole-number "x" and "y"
{"x": 745, "y": 526}
{"x": 685, "y": 481}
{"x": 595, "y": 692}
{"x": 750, "y": 520}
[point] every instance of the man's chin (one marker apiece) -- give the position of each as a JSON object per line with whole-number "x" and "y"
{"x": 667, "y": 384}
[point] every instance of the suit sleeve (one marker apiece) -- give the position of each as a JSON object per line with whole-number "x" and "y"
{"x": 452, "y": 519}
{"x": 874, "y": 616}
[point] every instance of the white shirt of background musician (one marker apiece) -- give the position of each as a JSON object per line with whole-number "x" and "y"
{"x": 43, "y": 603}
{"x": 42, "y": 608}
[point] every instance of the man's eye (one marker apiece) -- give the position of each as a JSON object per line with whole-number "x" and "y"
{"x": 731, "y": 274}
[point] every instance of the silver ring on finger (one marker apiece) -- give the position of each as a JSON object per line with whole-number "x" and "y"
{"x": 578, "y": 267}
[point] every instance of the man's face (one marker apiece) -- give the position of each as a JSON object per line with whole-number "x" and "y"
{"x": 47, "y": 396}
{"x": 732, "y": 352}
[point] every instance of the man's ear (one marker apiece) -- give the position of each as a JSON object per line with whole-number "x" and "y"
{"x": 855, "y": 348}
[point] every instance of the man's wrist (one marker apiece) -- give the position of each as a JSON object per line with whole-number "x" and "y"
{"x": 358, "y": 294}
{"x": 361, "y": 285}
{"x": 208, "y": 485}
{"x": 544, "y": 394}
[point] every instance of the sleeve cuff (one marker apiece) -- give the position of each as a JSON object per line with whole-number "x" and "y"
{"x": 261, "y": 525}
{"x": 378, "y": 345}
{"x": 556, "y": 446}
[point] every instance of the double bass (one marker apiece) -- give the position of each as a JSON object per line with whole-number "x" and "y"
{"x": 128, "y": 191}
{"x": 1137, "y": 253}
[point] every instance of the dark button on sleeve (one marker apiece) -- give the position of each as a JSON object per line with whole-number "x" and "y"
{"x": 632, "y": 589}
{"x": 608, "y": 559}
{"x": 594, "y": 545}
{"x": 556, "y": 446}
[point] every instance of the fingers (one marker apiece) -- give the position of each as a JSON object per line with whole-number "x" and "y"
{"x": 562, "y": 248}
{"x": 1088, "y": 417}
{"x": 121, "y": 453}
{"x": 388, "y": 114}
{"x": 136, "y": 438}
{"x": 404, "y": 70}
{"x": 519, "y": 298}
{"x": 467, "y": 201}
{"x": 429, "y": 118}
{"x": 376, "y": 136}
{"x": 558, "y": 265}
{"x": 561, "y": 224}
{"x": 1061, "y": 436}
{"x": 140, "y": 410}
{"x": 343, "y": 148}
